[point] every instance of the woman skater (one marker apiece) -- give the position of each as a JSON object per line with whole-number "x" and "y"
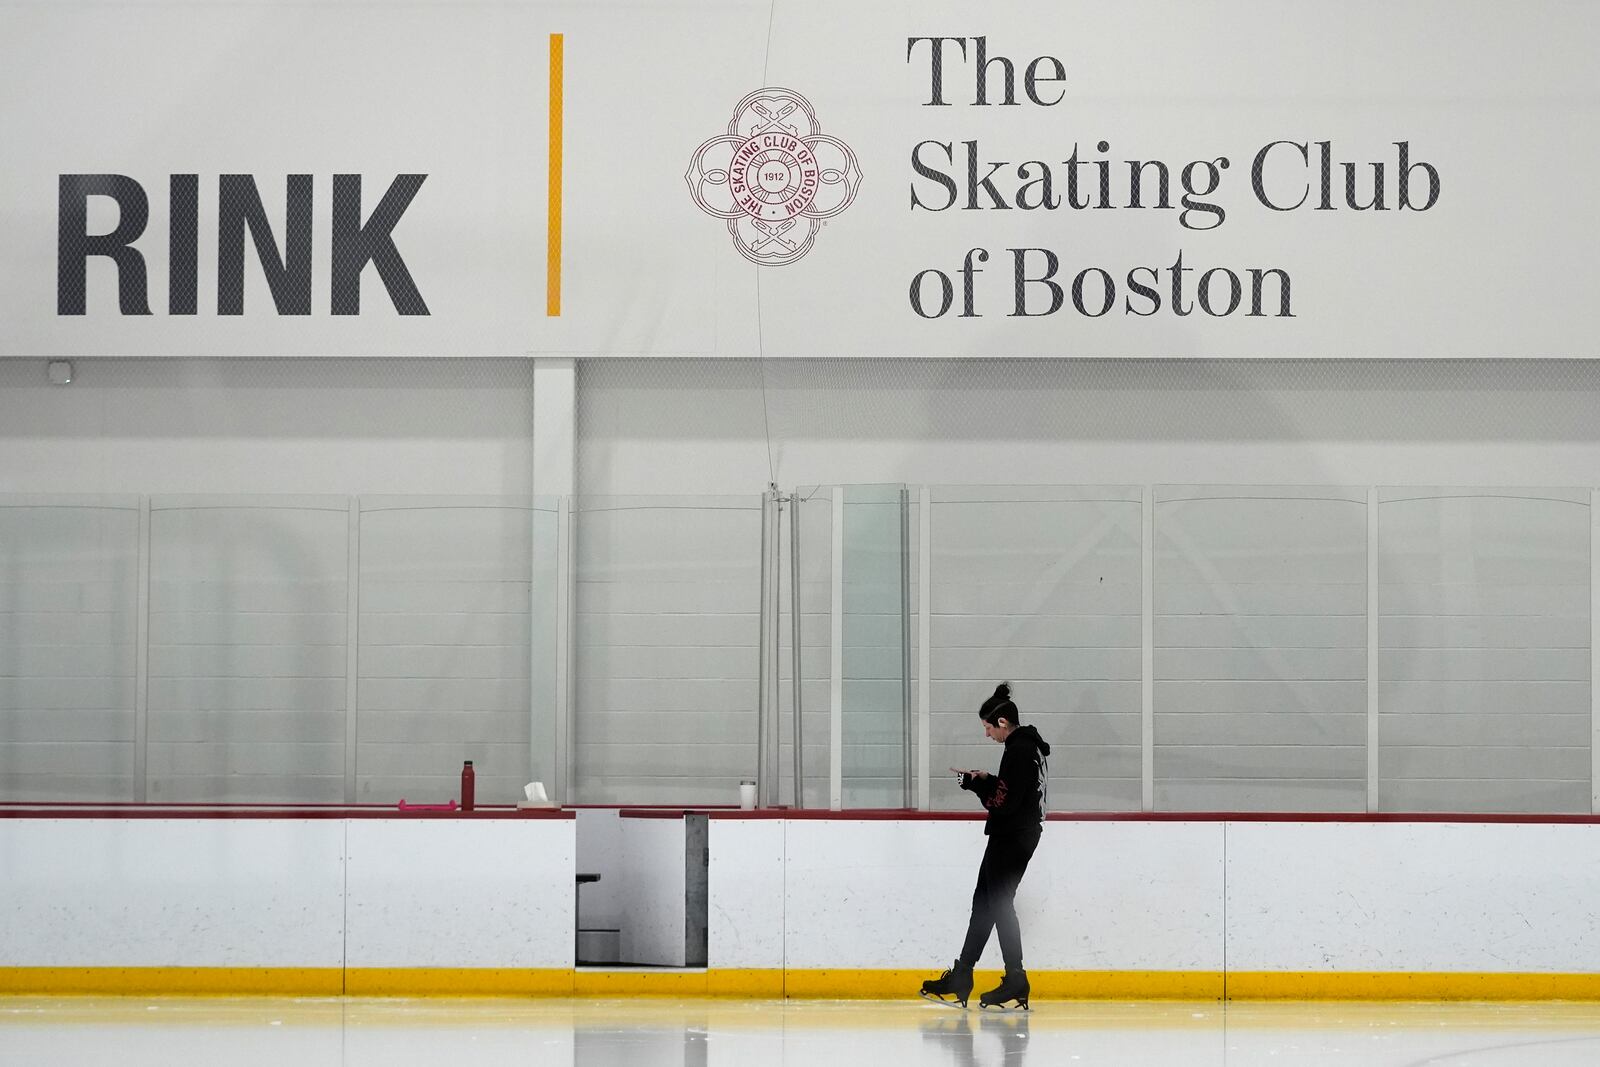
{"x": 1016, "y": 799}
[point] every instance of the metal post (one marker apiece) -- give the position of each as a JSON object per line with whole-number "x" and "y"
{"x": 905, "y": 650}
{"x": 761, "y": 655}
{"x": 794, "y": 649}
{"x": 774, "y": 764}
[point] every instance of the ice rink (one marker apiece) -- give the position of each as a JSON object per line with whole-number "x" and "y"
{"x": 134, "y": 1032}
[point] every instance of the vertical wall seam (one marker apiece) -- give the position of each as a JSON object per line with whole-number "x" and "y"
{"x": 566, "y": 521}
{"x": 924, "y": 647}
{"x": 1594, "y": 652}
{"x": 569, "y": 623}
{"x": 907, "y": 732}
{"x": 1372, "y": 648}
{"x": 141, "y": 683}
{"x": 1224, "y": 912}
{"x": 836, "y": 668}
{"x": 352, "y": 647}
{"x": 1147, "y": 727}
{"x": 796, "y": 643}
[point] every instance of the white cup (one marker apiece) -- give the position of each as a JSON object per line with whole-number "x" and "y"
{"x": 534, "y": 791}
{"x": 747, "y": 795}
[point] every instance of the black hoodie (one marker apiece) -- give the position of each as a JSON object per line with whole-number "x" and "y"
{"x": 1018, "y": 796}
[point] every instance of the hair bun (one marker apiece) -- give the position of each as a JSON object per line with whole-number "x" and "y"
{"x": 1002, "y": 691}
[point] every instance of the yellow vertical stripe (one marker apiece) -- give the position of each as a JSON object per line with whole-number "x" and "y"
{"x": 552, "y": 285}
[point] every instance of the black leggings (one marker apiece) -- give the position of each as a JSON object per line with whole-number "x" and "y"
{"x": 1005, "y": 859}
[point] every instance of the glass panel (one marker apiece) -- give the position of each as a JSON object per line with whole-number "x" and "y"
{"x": 1042, "y": 587}
{"x": 816, "y": 646}
{"x": 68, "y": 659}
{"x": 248, "y": 611}
{"x": 1260, "y": 648}
{"x": 1483, "y": 650}
{"x": 873, "y": 631}
{"x": 445, "y": 653}
{"x": 668, "y": 628}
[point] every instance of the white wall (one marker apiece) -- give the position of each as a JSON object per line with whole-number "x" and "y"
{"x": 1412, "y": 897}
{"x": 1202, "y": 896}
{"x": 892, "y": 894}
{"x": 460, "y": 893}
{"x": 160, "y": 892}
{"x": 703, "y": 426}
{"x": 320, "y": 893}
{"x": 1199, "y": 896}
{"x": 268, "y": 426}
{"x": 746, "y": 883}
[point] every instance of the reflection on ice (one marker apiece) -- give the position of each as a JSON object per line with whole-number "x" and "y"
{"x": 645, "y": 1032}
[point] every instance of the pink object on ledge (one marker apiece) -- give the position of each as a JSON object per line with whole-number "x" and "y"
{"x": 426, "y": 807}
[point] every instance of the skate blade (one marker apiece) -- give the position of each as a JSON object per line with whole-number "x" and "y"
{"x": 1006, "y": 1007}
{"x": 933, "y": 998}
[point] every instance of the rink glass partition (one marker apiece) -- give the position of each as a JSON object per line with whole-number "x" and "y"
{"x": 1185, "y": 648}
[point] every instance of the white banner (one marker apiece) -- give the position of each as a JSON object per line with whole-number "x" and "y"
{"x": 1223, "y": 179}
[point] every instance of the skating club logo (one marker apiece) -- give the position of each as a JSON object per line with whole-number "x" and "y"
{"x": 774, "y": 176}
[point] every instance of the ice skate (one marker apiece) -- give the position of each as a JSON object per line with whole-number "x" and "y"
{"x": 1010, "y": 995}
{"x": 953, "y": 987}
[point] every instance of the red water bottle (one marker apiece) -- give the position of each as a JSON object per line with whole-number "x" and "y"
{"x": 468, "y": 786}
